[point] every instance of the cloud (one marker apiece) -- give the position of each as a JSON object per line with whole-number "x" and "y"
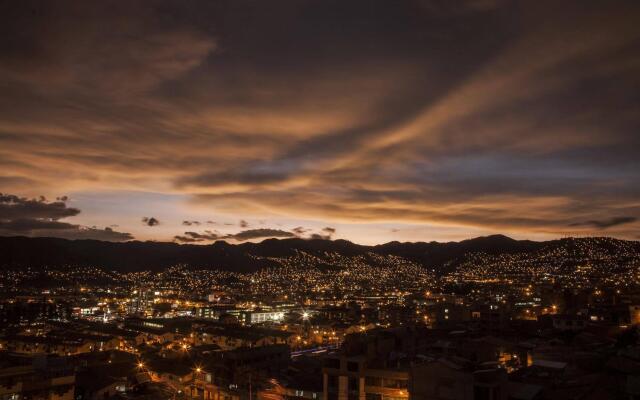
{"x": 325, "y": 234}
{"x": 14, "y": 207}
{"x": 299, "y": 230}
{"x": 20, "y": 216}
{"x": 17, "y": 182}
{"x": 243, "y": 223}
{"x": 137, "y": 54}
{"x": 260, "y": 233}
{"x": 250, "y": 234}
{"x": 150, "y": 221}
{"x": 185, "y": 239}
{"x": 190, "y": 223}
{"x": 608, "y": 223}
{"x": 193, "y": 237}
{"x": 447, "y": 8}
{"x": 495, "y": 163}
{"x": 473, "y": 115}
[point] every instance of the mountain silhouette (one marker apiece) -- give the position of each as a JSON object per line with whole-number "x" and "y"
{"x": 20, "y": 252}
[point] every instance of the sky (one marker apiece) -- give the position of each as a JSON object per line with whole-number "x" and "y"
{"x": 371, "y": 121}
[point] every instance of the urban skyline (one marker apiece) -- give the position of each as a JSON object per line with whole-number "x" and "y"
{"x": 319, "y": 200}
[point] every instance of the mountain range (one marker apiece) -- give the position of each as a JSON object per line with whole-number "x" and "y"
{"x": 20, "y": 252}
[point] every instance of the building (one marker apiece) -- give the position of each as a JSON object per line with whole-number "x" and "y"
{"x": 231, "y": 375}
{"x": 60, "y": 343}
{"x": 230, "y": 337}
{"x": 454, "y": 378}
{"x": 258, "y": 317}
{"x": 566, "y": 322}
{"x": 396, "y": 364}
{"x": 371, "y": 366}
{"x": 38, "y": 381}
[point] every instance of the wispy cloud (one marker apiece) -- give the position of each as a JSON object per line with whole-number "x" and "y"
{"x": 608, "y": 223}
{"x": 478, "y": 114}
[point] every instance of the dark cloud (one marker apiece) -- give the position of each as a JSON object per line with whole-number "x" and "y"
{"x": 243, "y": 223}
{"x": 14, "y": 207}
{"x": 193, "y": 237}
{"x": 326, "y": 233}
{"x": 299, "y": 230}
{"x": 190, "y": 223}
{"x": 185, "y": 239}
{"x": 150, "y": 221}
{"x": 141, "y": 49}
{"x": 486, "y": 114}
{"x": 260, "y": 233}
{"x": 28, "y": 225}
{"x": 20, "y": 216}
{"x": 608, "y": 223}
{"x": 19, "y": 182}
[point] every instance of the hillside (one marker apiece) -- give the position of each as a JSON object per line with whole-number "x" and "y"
{"x": 17, "y": 252}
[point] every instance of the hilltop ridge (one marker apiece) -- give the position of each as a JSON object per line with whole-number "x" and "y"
{"x": 246, "y": 257}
